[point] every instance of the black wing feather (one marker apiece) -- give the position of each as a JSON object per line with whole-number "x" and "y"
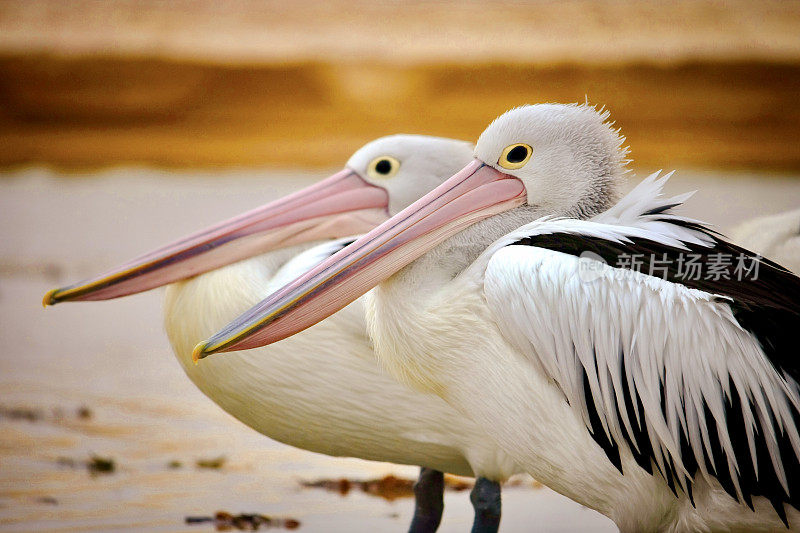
{"x": 768, "y": 306}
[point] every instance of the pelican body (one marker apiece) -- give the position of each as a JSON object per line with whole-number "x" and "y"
{"x": 323, "y": 390}
{"x": 774, "y": 236}
{"x": 665, "y": 402}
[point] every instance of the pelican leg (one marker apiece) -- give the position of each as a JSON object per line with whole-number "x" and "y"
{"x": 429, "y": 501}
{"x": 485, "y": 498}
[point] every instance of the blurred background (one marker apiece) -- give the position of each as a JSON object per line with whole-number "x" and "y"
{"x": 126, "y": 124}
{"x": 233, "y": 83}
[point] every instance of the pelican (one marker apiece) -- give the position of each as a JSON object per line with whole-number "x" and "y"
{"x": 664, "y": 401}
{"x": 322, "y": 390}
{"x": 776, "y": 237}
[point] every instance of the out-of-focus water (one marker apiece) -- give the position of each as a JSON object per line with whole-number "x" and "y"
{"x": 113, "y": 358}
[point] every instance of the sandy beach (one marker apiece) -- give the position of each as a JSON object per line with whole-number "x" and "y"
{"x": 127, "y": 124}
{"x": 113, "y": 359}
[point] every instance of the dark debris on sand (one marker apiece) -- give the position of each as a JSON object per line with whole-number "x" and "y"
{"x": 27, "y": 414}
{"x": 388, "y": 487}
{"x": 100, "y": 465}
{"x": 38, "y": 414}
{"x": 214, "y": 463}
{"x": 95, "y": 465}
{"x": 224, "y": 521}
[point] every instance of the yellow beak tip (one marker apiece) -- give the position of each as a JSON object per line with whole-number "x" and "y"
{"x": 49, "y": 298}
{"x": 199, "y": 352}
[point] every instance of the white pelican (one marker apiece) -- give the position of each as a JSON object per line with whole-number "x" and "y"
{"x": 320, "y": 391}
{"x": 663, "y": 401}
{"x": 775, "y": 236}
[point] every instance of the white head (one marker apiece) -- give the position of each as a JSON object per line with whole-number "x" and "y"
{"x": 408, "y": 166}
{"x": 569, "y": 157}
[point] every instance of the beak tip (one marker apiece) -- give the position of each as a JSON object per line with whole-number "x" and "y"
{"x": 199, "y": 352}
{"x": 49, "y": 298}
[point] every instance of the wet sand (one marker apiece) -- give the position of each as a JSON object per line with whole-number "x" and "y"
{"x": 113, "y": 357}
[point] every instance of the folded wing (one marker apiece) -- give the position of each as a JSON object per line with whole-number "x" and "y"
{"x": 691, "y": 372}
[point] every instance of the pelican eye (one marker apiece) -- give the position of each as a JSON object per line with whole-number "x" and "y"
{"x": 383, "y": 167}
{"x": 515, "y": 156}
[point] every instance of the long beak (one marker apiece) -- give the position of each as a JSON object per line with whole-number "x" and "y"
{"x": 476, "y": 192}
{"x": 342, "y": 204}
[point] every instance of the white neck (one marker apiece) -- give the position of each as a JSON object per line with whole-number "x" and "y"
{"x": 443, "y": 263}
{"x": 320, "y": 390}
{"x": 266, "y": 388}
{"x": 415, "y": 342}
{"x": 410, "y": 318}
{"x": 196, "y": 308}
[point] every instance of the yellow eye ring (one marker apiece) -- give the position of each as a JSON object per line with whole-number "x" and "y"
{"x": 383, "y": 167}
{"x": 515, "y": 156}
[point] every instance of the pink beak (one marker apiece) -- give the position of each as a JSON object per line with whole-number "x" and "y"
{"x": 341, "y": 205}
{"x": 476, "y": 192}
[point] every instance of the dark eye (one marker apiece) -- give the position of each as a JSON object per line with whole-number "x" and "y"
{"x": 383, "y": 167}
{"x": 515, "y": 156}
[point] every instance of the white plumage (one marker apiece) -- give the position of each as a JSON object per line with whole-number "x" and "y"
{"x": 322, "y": 390}
{"x": 528, "y": 327}
{"x": 655, "y": 334}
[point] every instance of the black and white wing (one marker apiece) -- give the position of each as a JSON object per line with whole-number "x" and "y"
{"x": 692, "y": 370}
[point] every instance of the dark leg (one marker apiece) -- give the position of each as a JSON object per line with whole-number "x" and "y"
{"x": 485, "y": 498}
{"x": 429, "y": 501}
